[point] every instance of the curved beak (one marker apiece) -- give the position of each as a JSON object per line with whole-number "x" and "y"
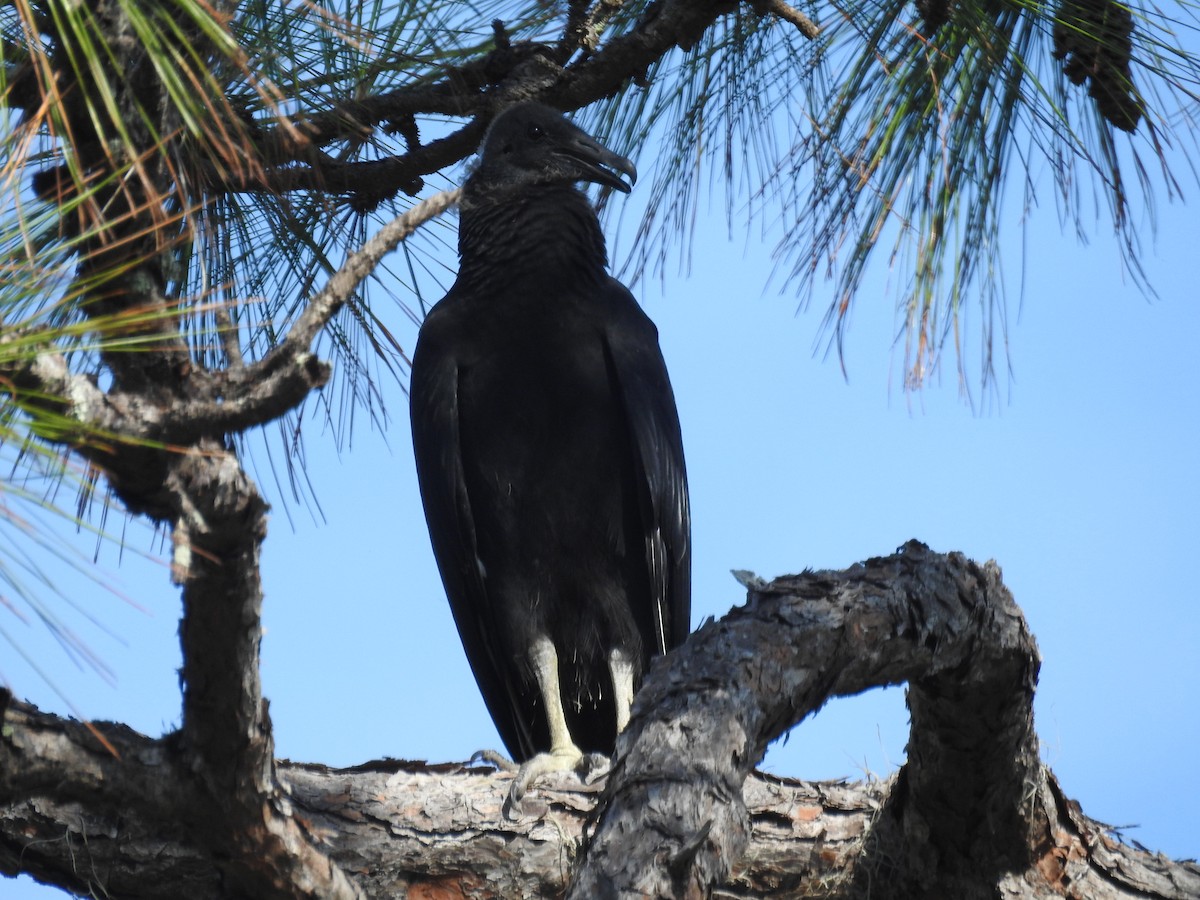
{"x": 594, "y": 162}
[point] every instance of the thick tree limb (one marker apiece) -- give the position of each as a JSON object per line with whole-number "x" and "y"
{"x": 222, "y": 761}
{"x": 73, "y": 815}
{"x": 674, "y": 825}
{"x": 226, "y": 742}
{"x": 520, "y": 71}
{"x": 159, "y": 436}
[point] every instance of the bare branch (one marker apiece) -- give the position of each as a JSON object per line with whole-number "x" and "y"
{"x": 526, "y": 71}
{"x": 935, "y": 620}
{"x": 741, "y": 682}
{"x": 225, "y": 744}
{"x": 673, "y": 23}
{"x": 325, "y": 304}
{"x": 242, "y": 397}
{"x": 788, "y": 13}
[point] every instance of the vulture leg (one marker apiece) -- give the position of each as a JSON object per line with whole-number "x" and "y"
{"x": 621, "y": 667}
{"x": 563, "y": 755}
{"x": 545, "y": 667}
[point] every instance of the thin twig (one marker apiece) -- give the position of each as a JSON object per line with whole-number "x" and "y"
{"x": 807, "y": 26}
{"x": 358, "y": 266}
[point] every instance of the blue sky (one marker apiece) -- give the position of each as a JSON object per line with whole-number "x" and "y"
{"x": 1078, "y": 474}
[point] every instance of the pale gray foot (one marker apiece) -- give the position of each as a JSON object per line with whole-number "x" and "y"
{"x": 588, "y": 766}
{"x": 564, "y": 756}
{"x": 620, "y": 667}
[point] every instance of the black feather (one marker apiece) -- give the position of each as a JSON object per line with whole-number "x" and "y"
{"x": 547, "y": 441}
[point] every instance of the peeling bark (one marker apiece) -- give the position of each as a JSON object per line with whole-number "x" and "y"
{"x": 674, "y": 825}
{"x": 74, "y": 815}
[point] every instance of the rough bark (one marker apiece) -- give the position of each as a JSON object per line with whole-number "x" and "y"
{"x": 673, "y": 825}
{"x": 167, "y": 458}
{"x": 73, "y": 814}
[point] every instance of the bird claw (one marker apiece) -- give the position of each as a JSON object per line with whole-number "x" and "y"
{"x": 586, "y": 765}
{"x": 493, "y": 758}
{"x": 592, "y": 767}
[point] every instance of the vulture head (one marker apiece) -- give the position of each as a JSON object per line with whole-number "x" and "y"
{"x": 533, "y": 144}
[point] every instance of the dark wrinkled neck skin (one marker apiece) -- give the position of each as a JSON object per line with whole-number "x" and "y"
{"x": 544, "y": 232}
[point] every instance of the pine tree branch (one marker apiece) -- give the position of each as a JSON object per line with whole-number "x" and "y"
{"x": 76, "y": 816}
{"x": 673, "y": 822}
{"x": 520, "y": 71}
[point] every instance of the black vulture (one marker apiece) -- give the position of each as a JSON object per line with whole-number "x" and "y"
{"x": 548, "y": 451}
